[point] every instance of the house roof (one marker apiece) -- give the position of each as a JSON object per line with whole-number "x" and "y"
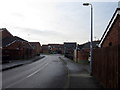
{"x": 1, "y": 29}
{"x": 35, "y": 44}
{"x": 20, "y": 39}
{"x": 44, "y": 45}
{"x": 115, "y": 15}
{"x": 70, "y": 45}
{"x": 79, "y": 46}
{"x": 4, "y": 33}
{"x": 9, "y": 40}
{"x": 87, "y": 45}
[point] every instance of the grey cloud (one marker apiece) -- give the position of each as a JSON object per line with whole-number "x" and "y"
{"x": 17, "y": 14}
{"x": 38, "y": 32}
{"x": 46, "y": 35}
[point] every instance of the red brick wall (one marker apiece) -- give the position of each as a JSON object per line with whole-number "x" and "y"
{"x": 18, "y": 50}
{"x": 37, "y": 47}
{"x": 113, "y": 34}
{"x": 12, "y": 51}
{"x": 83, "y": 54}
{"x": 5, "y": 33}
{"x": 58, "y": 48}
{"x": 45, "y": 48}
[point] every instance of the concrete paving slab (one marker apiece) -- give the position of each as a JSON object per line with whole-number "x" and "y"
{"x": 79, "y": 75}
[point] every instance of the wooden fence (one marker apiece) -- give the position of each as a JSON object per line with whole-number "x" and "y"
{"x": 105, "y": 66}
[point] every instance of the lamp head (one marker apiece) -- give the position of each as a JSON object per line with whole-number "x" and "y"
{"x": 86, "y": 4}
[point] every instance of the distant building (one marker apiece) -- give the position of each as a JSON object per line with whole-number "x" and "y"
{"x": 14, "y": 47}
{"x": 56, "y": 48}
{"x": 111, "y": 36}
{"x": 83, "y": 51}
{"x": 61, "y": 48}
{"x": 53, "y": 48}
{"x": 69, "y": 48}
{"x": 37, "y": 47}
{"x": 87, "y": 45}
{"x": 45, "y": 49}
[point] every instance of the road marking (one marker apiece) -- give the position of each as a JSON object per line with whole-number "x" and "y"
{"x": 27, "y": 76}
{"x": 37, "y": 71}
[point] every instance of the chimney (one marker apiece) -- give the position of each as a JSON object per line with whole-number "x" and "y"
{"x": 3, "y": 29}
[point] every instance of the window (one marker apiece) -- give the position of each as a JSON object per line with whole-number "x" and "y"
{"x": 110, "y": 44}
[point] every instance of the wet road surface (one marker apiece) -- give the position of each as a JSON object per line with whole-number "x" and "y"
{"x": 53, "y": 71}
{"x": 48, "y": 72}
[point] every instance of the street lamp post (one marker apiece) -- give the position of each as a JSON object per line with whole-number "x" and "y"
{"x": 91, "y": 43}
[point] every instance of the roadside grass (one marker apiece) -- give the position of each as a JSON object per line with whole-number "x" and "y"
{"x": 83, "y": 62}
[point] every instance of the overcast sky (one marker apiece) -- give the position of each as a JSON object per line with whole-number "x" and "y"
{"x": 55, "y": 21}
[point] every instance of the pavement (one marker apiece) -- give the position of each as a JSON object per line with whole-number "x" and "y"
{"x": 17, "y": 63}
{"x": 79, "y": 75}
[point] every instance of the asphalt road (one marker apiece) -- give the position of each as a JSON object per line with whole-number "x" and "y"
{"x": 48, "y": 72}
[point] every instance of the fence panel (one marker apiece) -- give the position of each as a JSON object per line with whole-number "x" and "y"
{"x": 105, "y": 66}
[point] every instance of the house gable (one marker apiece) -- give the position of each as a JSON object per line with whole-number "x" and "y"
{"x": 111, "y": 34}
{"x": 5, "y": 33}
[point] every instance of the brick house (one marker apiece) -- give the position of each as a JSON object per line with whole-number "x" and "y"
{"x": 55, "y": 48}
{"x": 82, "y": 52}
{"x": 4, "y": 33}
{"x": 45, "y": 49}
{"x": 69, "y": 48}
{"x": 37, "y": 47}
{"x": 14, "y": 47}
{"x": 111, "y": 36}
{"x": 106, "y": 60}
{"x": 61, "y": 48}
